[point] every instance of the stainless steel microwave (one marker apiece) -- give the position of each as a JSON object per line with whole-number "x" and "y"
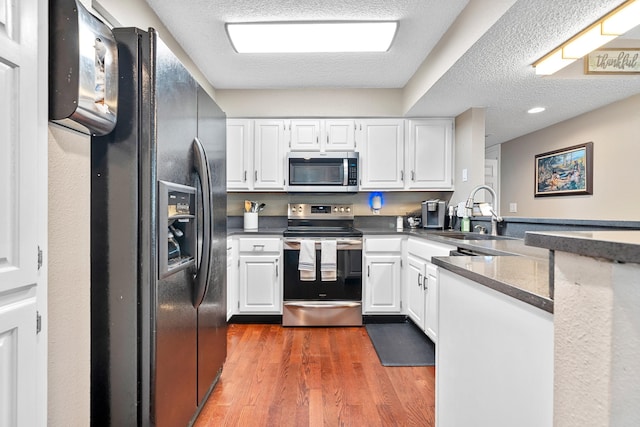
{"x": 323, "y": 172}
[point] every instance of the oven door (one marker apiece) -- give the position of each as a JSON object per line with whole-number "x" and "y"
{"x": 348, "y": 283}
{"x": 323, "y": 303}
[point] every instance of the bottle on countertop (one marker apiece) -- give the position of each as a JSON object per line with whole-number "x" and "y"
{"x": 399, "y": 224}
{"x": 465, "y": 224}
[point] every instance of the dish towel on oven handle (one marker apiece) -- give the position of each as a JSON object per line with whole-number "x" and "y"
{"x": 328, "y": 256}
{"x": 307, "y": 260}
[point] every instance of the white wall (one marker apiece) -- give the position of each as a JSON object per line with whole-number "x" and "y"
{"x": 311, "y": 102}
{"x": 614, "y": 130}
{"x": 468, "y": 152}
{"x": 69, "y": 278}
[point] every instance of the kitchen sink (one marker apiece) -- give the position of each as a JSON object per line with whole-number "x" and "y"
{"x": 471, "y": 236}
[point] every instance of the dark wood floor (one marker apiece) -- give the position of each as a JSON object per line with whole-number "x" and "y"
{"x": 277, "y": 376}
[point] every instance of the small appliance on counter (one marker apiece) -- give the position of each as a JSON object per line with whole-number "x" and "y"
{"x": 433, "y": 213}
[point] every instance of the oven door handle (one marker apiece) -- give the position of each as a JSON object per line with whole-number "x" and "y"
{"x": 340, "y": 244}
{"x": 322, "y": 304}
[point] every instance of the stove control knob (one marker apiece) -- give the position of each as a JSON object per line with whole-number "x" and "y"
{"x": 348, "y": 209}
{"x": 335, "y": 209}
{"x": 341, "y": 208}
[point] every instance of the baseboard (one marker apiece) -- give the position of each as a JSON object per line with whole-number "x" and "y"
{"x": 387, "y": 318}
{"x": 256, "y": 318}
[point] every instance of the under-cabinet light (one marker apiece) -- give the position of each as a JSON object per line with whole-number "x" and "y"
{"x": 311, "y": 37}
{"x": 607, "y": 28}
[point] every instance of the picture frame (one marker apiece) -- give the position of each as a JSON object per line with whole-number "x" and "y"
{"x": 565, "y": 172}
{"x": 610, "y": 61}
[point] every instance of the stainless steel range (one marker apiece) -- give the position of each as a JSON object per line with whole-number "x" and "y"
{"x": 322, "y": 267}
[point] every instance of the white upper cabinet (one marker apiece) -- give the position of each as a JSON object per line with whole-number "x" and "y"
{"x": 256, "y": 154}
{"x": 381, "y": 146}
{"x": 322, "y": 135}
{"x": 339, "y": 135}
{"x": 305, "y": 135}
{"x": 239, "y": 154}
{"x": 269, "y": 155}
{"x": 429, "y": 154}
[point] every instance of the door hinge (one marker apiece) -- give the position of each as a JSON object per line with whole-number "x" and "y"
{"x": 38, "y": 322}
{"x": 39, "y": 258}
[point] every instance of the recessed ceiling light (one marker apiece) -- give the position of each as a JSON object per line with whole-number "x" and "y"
{"x": 311, "y": 37}
{"x": 535, "y": 110}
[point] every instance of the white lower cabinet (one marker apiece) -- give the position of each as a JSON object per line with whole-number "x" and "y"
{"x": 382, "y": 281}
{"x": 260, "y": 276}
{"x": 232, "y": 281}
{"x": 414, "y": 285}
{"x": 421, "y": 284}
{"x": 18, "y": 380}
{"x": 495, "y": 358}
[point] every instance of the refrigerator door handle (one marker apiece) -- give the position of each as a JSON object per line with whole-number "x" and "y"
{"x": 201, "y": 278}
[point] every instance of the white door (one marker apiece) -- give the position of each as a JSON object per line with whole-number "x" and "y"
{"x": 260, "y": 290}
{"x": 23, "y": 121}
{"x": 305, "y": 135}
{"x": 431, "y": 302}
{"x": 382, "y": 284}
{"x": 340, "y": 135}
{"x": 414, "y": 287}
{"x": 269, "y": 155}
{"x": 429, "y": 159}
{"x": 492, "y": 174}
{"x": 239, "y": 154}
{"x": 381, "y": 143}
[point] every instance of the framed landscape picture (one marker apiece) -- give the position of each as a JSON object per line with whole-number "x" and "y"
{"x": 568, "y": 171}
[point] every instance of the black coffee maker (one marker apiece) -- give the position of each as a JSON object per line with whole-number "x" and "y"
{"x": 433, "y": 213}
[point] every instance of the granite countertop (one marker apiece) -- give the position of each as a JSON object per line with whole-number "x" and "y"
{"x": 620, "y": 246}
{"x": 506, "y": 264}
{"x": 260, "y": 231}
{"x": 520, "y": 277}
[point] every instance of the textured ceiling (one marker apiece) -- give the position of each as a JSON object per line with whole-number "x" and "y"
{"x": 199, "y": 28}
{"x": 494, "y": 73}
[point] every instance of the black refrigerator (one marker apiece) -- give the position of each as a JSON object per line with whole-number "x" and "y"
{"x": 158, "y": 243}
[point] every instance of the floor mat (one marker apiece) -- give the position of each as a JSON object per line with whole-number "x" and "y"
{"x": 401, "y": 344}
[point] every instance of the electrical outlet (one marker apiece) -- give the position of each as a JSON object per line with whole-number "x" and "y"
{"x": 513, "y": 207}
{"x": 465, "y": 178}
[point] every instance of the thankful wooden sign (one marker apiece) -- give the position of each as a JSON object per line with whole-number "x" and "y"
{"x": 613, "y": 61}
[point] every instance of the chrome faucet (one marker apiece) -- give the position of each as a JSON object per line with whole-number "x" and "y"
{"x": 495, "y": 206}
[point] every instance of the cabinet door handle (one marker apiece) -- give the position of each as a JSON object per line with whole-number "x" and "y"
{"x": 413, "y": 176}
{"x": 419, "y": 280}
{"x": 401, "y": 175}
{"x": 368, "y": 271}
{"x": 245, "y": 176}
{"x": 425, "y": 283}
{"x": 255, "y": 175}
{"x": 276, "y": 270}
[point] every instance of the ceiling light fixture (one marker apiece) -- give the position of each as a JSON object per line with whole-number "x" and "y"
{"x": 311, "y": 37}
{"x": 614, "y": 24}
{"x": 535, "y": 110}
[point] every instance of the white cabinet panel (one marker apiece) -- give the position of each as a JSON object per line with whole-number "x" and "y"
{"x": 18, "y": 379}
{"x": 269, "y": 155}
{"x": 429, "y": 159}
{"x": 381, "y": 145}
{"x": 259, "y": 277}
{"x": 305, "y": 135}
{"x": 259, "y": 284}
{"x": 239, "y": 154}
{"x": 382, "y": 287}
{"x": 340, "y": 135}
{"x": 414, "y": 282}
